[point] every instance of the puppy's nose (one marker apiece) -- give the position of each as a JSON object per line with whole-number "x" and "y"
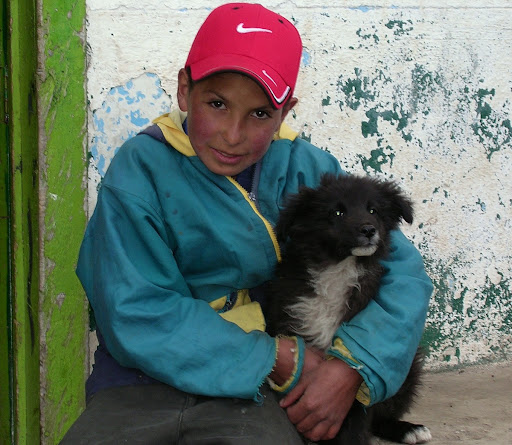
{"x": 368, "y": 230}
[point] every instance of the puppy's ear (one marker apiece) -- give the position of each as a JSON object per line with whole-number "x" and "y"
{"x": 284, "y": 224}
{"x": 290, "y": 217}
{"x": 406, "y": 209}
{"x": 327, "y": 179}
{"x": 400, "y": 205}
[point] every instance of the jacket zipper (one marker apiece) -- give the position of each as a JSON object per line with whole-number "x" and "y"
{"x": 255, "y": 180}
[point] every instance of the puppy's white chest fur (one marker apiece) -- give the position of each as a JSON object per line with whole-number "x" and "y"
{"x": 318, "y": 317}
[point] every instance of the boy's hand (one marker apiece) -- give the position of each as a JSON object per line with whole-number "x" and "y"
{"x": 317, "y": 406}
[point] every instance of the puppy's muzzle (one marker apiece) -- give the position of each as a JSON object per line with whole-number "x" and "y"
{"x": 368, "y": 239}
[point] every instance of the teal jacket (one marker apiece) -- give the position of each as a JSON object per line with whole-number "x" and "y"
{"x": 170, "y": 243}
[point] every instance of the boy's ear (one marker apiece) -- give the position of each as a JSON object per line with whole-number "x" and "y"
{"x": 183, "y": 89}
{"x": 288, "y": 106}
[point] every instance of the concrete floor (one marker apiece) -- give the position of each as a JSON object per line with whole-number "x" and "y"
{"x": 471, "y": 406}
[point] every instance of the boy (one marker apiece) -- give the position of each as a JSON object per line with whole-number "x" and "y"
{"x": 181, "y": 241}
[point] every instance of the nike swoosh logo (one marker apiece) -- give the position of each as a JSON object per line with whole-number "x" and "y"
{"x": 242, "y": 30}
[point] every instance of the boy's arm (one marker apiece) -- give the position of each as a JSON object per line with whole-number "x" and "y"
{"x": 147, "y": 314}
{"x": 381, "y": 341}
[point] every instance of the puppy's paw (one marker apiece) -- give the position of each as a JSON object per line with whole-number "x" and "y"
{"x": 419, "y": 434}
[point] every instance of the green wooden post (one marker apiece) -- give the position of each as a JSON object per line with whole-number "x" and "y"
{"x": 6, "y": 396}
{"x": 24, "y": 217}
{"x": 63, "y": 119}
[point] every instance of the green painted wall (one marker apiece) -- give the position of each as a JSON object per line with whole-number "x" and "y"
{"x": 63, "y": 309}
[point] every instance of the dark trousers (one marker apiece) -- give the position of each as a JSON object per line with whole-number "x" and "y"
{"x": 160, "y": 414}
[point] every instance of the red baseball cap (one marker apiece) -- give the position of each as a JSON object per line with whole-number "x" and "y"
{"x": 248, "y": 38}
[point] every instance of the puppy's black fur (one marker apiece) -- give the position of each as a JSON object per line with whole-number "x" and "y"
{"x": 333, "y": 237}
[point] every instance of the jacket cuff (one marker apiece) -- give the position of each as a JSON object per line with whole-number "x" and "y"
{"x": 340, "y": 351}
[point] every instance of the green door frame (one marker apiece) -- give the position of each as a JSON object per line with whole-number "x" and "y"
{"x": 6, "y": 372}
{"x": 20, "y": 171}
{"x": 43, "y": 313}
{"x": 64, "y": 315}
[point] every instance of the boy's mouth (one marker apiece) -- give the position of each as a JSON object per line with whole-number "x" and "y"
{"x": 226, "y": 157}
{"x": 225, "y": 154}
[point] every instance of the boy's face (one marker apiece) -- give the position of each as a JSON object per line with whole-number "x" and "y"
{"x": 230, "y": 121}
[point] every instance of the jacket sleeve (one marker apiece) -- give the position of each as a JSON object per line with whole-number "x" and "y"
{"x": 381, "y": 341}
{"x": 147, "y": 314}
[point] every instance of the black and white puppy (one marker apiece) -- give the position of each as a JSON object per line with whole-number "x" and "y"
{"x": 334, "y": 237}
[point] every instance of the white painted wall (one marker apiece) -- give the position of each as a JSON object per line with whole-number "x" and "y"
{"x": 413, "y": 90}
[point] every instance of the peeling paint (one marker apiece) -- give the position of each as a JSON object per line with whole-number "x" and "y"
{"x": 378, "y": 157}
{"x": 306, "y": 58}
{"x": 400, "y": 27}
{"x": 127, "y": 109}
{"x": 492, "y": 128}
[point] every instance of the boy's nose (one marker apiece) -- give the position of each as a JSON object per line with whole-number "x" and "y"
{"x": 234, "y": 131}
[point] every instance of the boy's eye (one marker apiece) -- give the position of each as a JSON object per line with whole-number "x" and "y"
{"x": 216, "y": 104}
{"x": 260, "y": 114}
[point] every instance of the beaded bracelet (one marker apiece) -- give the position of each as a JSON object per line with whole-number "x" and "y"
{"x": 298, "y": 356}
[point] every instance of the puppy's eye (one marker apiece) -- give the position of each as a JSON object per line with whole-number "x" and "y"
{"x": 372, "y": 210}
{"x": 336, "y": 212}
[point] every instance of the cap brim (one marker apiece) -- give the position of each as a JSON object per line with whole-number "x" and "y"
{"x": 272, "y": 83}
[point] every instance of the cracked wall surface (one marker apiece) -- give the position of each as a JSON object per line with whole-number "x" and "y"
{"x": 415, "y": 91}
